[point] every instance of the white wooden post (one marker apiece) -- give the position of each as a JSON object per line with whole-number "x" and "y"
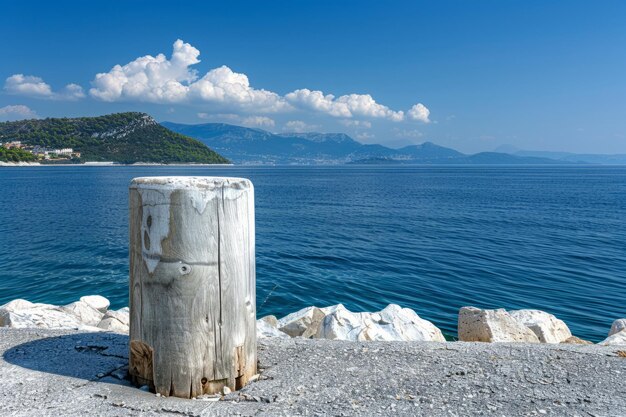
{"x": 192, "y": 284}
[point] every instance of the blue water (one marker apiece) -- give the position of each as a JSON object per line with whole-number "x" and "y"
{"x": 430, "y": 238}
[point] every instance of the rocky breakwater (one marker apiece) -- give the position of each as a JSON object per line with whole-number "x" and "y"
{"x": 617, "y": 334}
{"x": 338, "y": 323}
{"x": 90, "y": 313}
{"x": 528, "y": 326}
{"x": 393, "y": 323}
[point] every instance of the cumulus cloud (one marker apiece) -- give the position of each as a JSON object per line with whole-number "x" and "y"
{"x": 350, "y": 105}
{"x": 219, "y": 116}
{"x": 157, "y": 79}
{"x": 148, "y": 78}
{"x": 16, "y": 112}
{"x": 223, "y": 85}
{"x": 251, "y": 121}
{"x": 299, "y": 126}
{"x": 161, "y": 80}
{"x": 72, "y": 92}
{"x": 260, "y": 121}
{"x": 420, "y": 113}
{"x": 27, "y": 85}
{"x": 31, "y": 86}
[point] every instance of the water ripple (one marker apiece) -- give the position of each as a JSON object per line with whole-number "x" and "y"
{"x": 430, "y": 238}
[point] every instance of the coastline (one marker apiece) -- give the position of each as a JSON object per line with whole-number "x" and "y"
{"x": 99, "y": 164}
{"x": 18, "y": 164}
{"x": 343, "y": 165}
{"x": 393, "y": 323}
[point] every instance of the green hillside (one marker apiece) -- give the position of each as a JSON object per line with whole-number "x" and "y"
{"x": 121, "y": 137}
{"x": 15, "y": 155}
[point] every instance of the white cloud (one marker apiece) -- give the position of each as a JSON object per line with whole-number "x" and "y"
{"x": 148, "y": 78}
{"x": 72, "y": 92}
{"x": 356, "y": 123}
{"x": 250, "y": 121}
{"x": 31, "y": 86}
{"x": 299, "y": 126}
{"x": 222, "y": 85}
{"x": 219, "y": 116}
{"x": 27, "y": 85}
{"x": 157, "y": 79}
{"x": 260, "y": 121}
{"x": 16, "y": 112}
{"x": 351, "y": 105}
{"x": 420, "y": 113}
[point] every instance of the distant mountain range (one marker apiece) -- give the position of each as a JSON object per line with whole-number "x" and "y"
{"x": 255, "y": 146}
{"x": 137, "y": 137}
{"x": 121, "y": 137}
{"x": 568, "y": 157}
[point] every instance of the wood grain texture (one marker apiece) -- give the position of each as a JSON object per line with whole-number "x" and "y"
{"x": 192, "y": 284}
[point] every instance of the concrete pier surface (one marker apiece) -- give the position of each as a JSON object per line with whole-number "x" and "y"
{"x": 70, "y": 373}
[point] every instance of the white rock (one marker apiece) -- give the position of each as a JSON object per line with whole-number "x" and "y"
{"x": 305, "y": 322}
{"x": 408, "y": 325}
{"x": 117, "y": 321}
{"x": 96, "y": 301}
{"x": 271, "y": 320}
{"x": 618, "y": 326}
{"x": 111, "y": 324}
{"x": 616, "y": 339}
{"x": 122, "y": 315}
{"x": 17, "y": 304}
{"x": 342, "y": 324}
{"x": 266, "y": 330}
{"x": 85, "y": 312}
{"x": 476, "y": 325}
{"x": 547, "y": 327}
{"x": 22, "y": 314}
{"x": 331, "y": 309}
{"x": 392, "y": 323}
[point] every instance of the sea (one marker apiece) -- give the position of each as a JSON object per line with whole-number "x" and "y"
{"x": 430, "y": 238}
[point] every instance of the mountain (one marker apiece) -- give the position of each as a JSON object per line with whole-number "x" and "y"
{"x": 429, "y": 150}
{"x": 568, "y": 157}
{"x": 245, "y": 145}
{"x": 506, "y": 159}
{"x": 121, "y": 137}
{"x": 482, "y": 158}
{"x": 603, "y": 159}
{"x": 249, "y": 146}
{"x": 341, "y": 138}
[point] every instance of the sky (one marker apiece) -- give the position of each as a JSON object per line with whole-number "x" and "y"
{"x": 472, "y": 75}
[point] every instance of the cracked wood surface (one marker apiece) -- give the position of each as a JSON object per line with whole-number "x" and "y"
{"x": 192, "y": 284}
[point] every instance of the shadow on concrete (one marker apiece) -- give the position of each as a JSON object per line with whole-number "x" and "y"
{"x": 99, "y": 357}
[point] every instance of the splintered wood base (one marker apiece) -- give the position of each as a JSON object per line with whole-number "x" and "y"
{"x": 192, "y": 284}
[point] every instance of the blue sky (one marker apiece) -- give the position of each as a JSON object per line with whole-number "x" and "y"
{"x": 471, "y": 75}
